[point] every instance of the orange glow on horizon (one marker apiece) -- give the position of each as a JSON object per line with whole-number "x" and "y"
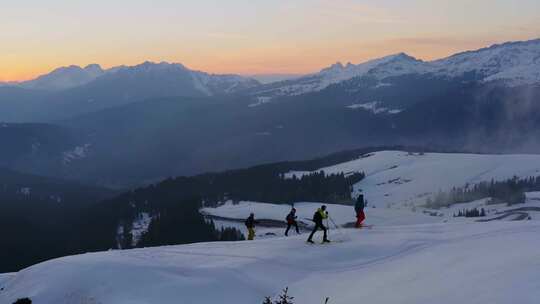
{"x": 250, "y": 37}
{"x": 261, "y": 61}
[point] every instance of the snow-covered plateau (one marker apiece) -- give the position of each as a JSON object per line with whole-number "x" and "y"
{"x": 398, "y": 178}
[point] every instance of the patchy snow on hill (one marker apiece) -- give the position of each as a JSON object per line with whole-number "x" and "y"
{"x": 136, "y": 229}
{"x": 140, "y": 226}
{"x": 26, "y": 191}
{"x": 530, "y": 210}
{"x": 374, "y": 107}
{"x": 430, "y": 263}
{"x": 76, "y": 153}
{"x": 397, "y": 178}
{"x": 260, "y": 101}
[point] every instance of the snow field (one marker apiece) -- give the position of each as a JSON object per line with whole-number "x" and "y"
{"x": 431, "y": 263}
{"x": 397, "y": 178}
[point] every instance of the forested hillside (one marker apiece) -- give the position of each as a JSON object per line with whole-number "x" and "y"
{"x": 51, "y": 218}
{"x": 38, "y": 215}
{"x": 177, "y": 200}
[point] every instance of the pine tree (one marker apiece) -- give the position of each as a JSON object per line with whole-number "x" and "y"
{"x": 284, "y": 298}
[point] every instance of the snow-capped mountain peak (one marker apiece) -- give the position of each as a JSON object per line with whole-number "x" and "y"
{"x": 336, "y": 67}
{"x": 149, "y": 66}
{"x": 65, "y": 78}
{"x": 392, "y": 65}
{"x": 177, "y": 79}
{"x": 511, "y": 63}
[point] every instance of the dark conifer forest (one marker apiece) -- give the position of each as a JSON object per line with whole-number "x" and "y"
{"x": 49, "y": 218}
{"x": 511, "y": 192}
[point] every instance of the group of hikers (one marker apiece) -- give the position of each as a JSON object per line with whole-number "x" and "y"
{"x": 318, "y": 219}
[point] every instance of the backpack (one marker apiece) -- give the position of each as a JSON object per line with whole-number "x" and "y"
{"x": 360, "y": 204}
{"x": 290, "y": 218}
{"x": 317, "y": 218}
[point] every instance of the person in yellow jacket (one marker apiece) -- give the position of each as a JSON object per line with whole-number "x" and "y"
{"x": 318, "y": 218}
{"x": 250, "y": 224}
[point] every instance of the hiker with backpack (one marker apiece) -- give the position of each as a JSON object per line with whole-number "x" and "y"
{"x": 359, "y": 208}
{"x": 318, "y": 218}
{"x": 291, "y": 221}
{"x": 250, "y": 224}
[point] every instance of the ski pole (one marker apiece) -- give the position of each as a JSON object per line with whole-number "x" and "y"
{"x": 337, "y": 228}
{"x": 327, "y": 228}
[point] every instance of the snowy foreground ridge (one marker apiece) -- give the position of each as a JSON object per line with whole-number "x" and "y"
{"x": 495, "y": 262}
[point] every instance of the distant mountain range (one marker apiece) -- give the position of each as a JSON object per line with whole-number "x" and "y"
{"x": 71, "y": 91}
{"x": 513, "y": 63}
{"x": 132, "y": 125}
{"x": 74, "y": 76}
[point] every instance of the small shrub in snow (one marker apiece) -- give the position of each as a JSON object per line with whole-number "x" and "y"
{"x": 23, "y": 301}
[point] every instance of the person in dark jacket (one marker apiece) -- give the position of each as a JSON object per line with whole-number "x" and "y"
{"x": 250, "y": 224}
{"x": 359, "y": 208}
{"x": 318, "y": 218}
{"x": 291, "y": 221}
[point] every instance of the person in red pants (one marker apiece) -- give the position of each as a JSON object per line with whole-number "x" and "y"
{"x": 359, "y": 208}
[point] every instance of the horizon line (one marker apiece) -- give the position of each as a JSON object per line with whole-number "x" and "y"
{"x": 247, "y": 74}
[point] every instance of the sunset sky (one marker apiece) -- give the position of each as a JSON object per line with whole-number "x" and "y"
{"x": 249, "y": 36}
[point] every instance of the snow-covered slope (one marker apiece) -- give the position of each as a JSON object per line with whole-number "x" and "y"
{"x": 341, "y": 214}
{"x": 397, "y": 178}
{"x": 233, "y": 215}
{"x": 437, "y": 263}
{"x": 513, "y": 63}
{"x": 393, "y": 65}
{"x": 272, "y": 216}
